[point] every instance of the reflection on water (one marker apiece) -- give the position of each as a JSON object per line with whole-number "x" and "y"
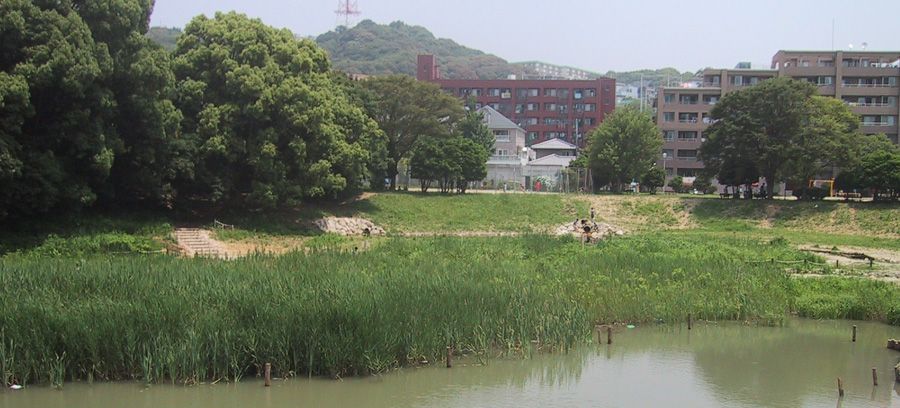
{"x": 711, "y": 366}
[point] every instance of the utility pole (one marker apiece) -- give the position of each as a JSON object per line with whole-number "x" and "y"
{"x": 641, "y": 90}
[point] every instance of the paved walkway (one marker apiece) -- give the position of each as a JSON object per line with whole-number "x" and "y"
{"x": 197, "y": 242}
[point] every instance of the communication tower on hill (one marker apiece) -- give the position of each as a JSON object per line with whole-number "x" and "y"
{"x": 347, "y": 9}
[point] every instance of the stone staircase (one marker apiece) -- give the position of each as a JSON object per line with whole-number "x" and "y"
{"x": 197, "y": 242}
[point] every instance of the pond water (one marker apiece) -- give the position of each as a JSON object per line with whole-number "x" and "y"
{"x": 713, "y": 365}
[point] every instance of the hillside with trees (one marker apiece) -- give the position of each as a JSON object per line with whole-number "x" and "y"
{"x": 164, "y": 36}
{"x": 377, "y": 49}
{"x": 652, "y": 77}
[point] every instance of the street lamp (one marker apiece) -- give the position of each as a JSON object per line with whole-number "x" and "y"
{"x": 665, "y": 172}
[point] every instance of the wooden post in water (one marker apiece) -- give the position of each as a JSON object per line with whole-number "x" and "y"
{"x": 689, "y": 321}
{"x": 854, "y": 333}
{"x": 840, "y": 388}
{"x": 449, "y": 356}
{"x": 874, "y": 377}
{"x": 268, "y": 374}
{"x": 608, "y": 334}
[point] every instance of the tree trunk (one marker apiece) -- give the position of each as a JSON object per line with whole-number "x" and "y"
{"x": 392, "y": 173}
{"x": 770, "y": 185}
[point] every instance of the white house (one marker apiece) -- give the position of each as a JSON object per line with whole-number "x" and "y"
{"x": 507, "y": 161}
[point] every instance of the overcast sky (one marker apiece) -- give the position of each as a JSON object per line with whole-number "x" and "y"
{"x": 598, "y": 35}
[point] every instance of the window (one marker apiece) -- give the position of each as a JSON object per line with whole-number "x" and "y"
{"x": 668, "y": 154}
{"x": 531, "y": 107}
{"x": 804, "y": 63}
{"x": 669, "y": 135}
{"x": 476, "y": 92}
{"x": 450, "y": 91}
{"x": 495, "y": 106}
{"x": 687, "y": 172}
{"x": 687, "y": 135}
{"x": 520, "y": 107}
{"x": 687, "y": 117}
{"x": 669, "y": 98}
{"x": 493, "y": 92}
{"x": 560, "y": 135}
{"x": 562, "y": 93}
{"x": 532, "y": 136}
{"x": 711, "y": 99}
{"x": 668, "y": 116}
{"x": 551, "y": 107}
{"x": 550, "y": 92}
{"x": 521, "y": 93}
{"x": 578, "y": 94}
{"x": 590, "y": 93}
{"x": 590, "y": 107}
{"x": 501, "y": 152}
{"x": 501, "y": 135}
{"x": 531, "y": 121}
{"x": 825, "y": 63}
{"x": 505, "y": 93}
{"x": 687, "y": 154}
{"x": 533, "y": 91}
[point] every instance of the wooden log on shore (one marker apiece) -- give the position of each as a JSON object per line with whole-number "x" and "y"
{"x": 893, "y": 344}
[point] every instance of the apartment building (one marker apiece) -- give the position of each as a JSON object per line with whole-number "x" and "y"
{"x": 543, "y": 70}
{"x": 867, "y": 81}
{"x": 546, "y": 109}
{"x": 683, "y": 114}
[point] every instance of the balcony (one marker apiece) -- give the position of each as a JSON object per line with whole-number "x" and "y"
{"x": 871, "y": 70}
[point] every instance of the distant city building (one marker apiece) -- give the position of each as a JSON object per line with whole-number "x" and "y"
{"x": 545, "y": 109}
{"x": 543, "y": 70}
{"x": 866, "y": 80}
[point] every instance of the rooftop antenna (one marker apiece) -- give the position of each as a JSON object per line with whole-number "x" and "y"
{"x": 347, "y": 9}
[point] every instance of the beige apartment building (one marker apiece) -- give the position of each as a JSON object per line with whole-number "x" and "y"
{"x": 683, "y": 114}
{"x": 865, "y": 80}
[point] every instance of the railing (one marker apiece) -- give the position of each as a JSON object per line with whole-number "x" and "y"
{"x": 687, "y": 102}
{"x": 687, "y": 120}
{"x": 868, "y": 104}
{"x": 848, "y": 85}
{"x": 505, "y": 158}
{"x": 877, "y": 124}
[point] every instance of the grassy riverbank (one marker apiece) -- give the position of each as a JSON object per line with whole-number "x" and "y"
{"x": 160, "y": 318}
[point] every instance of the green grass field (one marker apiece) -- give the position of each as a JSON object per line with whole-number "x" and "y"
{"x": 160, "y": 318}
{"x": 83, "y": 300}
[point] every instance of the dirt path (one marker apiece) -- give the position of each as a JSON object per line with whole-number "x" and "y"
{"x": 885, "y": 266}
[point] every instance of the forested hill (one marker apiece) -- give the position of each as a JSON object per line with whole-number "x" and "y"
{"x": 164, "y": 36}
{"x": 376, "y": 49}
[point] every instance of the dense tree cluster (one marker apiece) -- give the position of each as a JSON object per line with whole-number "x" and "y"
{"x": 783, "y": 131}
{"x": 623, "y": 148}
{"x": 239, "y": 114}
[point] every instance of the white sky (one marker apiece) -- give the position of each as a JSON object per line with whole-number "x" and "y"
{"x": 598, "y": 35}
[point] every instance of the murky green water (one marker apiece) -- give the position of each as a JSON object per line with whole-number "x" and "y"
{"x": 725, "y": 365}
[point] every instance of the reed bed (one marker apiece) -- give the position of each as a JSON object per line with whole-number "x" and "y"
{"x": 162, "y": 319}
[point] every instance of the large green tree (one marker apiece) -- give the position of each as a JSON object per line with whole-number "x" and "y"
{"x": 452, "y": 163}
{"x": 767, "y": 130}
{"x": 56, "y": 141}
{"x": 825, "y": 142}
{"x": 473, "y": 127}
{"x": 407, "y": 110}
{"x": 264, "y": 121}
{"x": 623, "y": 147}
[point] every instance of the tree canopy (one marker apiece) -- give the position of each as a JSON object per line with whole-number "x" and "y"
{"x": 778, "y": 130}
{"x": 623, "y": 148}
{"x": 406, "y": 110}
{"x": 264, "y": 121}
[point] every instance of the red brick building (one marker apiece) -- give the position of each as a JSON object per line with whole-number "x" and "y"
{"x": 545, "y": 108}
